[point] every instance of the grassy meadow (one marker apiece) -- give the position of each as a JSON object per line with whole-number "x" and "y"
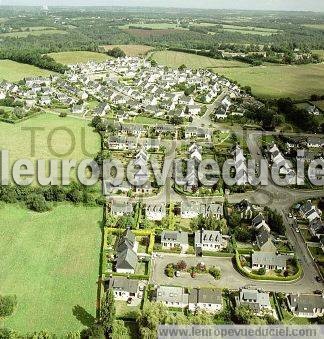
{"x": 75, "y": 57}
{"x": 298, "y": 82}
{"x": 17, "y": 139}
{"x": 35, "y": 32}
{"x": 15, "y": 71}
{"x": 50, "y": 261}
{"x": 175, "y": 59}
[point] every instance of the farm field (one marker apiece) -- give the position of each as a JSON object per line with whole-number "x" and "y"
{"x": 298, "y": 82}
{"x": 131, "y": 50}
{"x": 154, "y": 26}
{"x": 176, "y": 59}
{"x": 319, "y": 52}
{"x": 78, "y": 57}
{"x": 315, "y": 26}
{"x": 53, "y": 276}
{"x": 18, "y": 141}
{"x": 15, "y": 71}
{"x": 36, "y": 32}
{"x": 250, "y": 30}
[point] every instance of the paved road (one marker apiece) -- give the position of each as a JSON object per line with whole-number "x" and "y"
{"x": 230, "y": 277}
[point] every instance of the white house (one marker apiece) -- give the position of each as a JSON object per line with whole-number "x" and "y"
{"x": 172, "y": 296}
{"x": 125, "y": 288}
{"x": 206, "y": 240}
{"x": 306, "y": 305}
{"x": 205, "y": 299}
{"x": 155, "y": 211}
{"x": 174, "y": 239}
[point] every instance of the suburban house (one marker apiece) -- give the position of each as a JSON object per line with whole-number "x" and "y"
{"x": 121, "y": 209}
{"x": 209, "y": 241}
{"x": 196, "y": 132}
{"x": 259, "y": 222}
{"x": 306, "y": 305}
{"x": 246, "y": 209}
{"x": 309, "y": 211}
{"x": 316, "y": 228}
{"x": 314, "y": 142}
{"x": 125, "y": 288}
{"x": 257, "y": 300}
{"x": 212, "y": 210}
{"x": 269, "y": 261}
{"x": 172, "y": 296}
{"x": 155, "y": 211}
{"x": 189, "y": 210}
{"x": 174, "y": 239}
{"x": 205, "y": 299}
{"x": 126, "y": 253}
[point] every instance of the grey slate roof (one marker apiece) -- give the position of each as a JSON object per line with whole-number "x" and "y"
{"x": 208, "y": 237}
{"x": 264, "y": 258}
{"x": 306, "y": 302}
{"x": 171, "y": 294}
{"x": 175, "y": 236}
{"x": 123, "y": 284}
{"x": 205, "y": 296}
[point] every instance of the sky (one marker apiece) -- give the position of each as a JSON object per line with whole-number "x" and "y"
{"x": 285, "y": 5}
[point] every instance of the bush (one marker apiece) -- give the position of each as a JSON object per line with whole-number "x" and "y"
{"x": 169, "y": 271}
{"x": 215, "y": 272}
{"x": 262, "y": 271}
{"x": 181, "y": 265}
{"x": 63, "y": 115}
{"x": 37, "y": 203}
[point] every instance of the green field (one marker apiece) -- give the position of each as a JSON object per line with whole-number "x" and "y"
{"x": 176, "y": 59}
{"x": 18, "y": 141}
{"x": 298, "y": 82}
{"x": 315, "y": 26}
{"x": 15, "y": 71}
{"x": 319, "y": 52}
{"x": 36, "y": 32}
{"x": 50, "y": 261}
{"x": 75, "y": 57}
{"x": 250, "y": 30}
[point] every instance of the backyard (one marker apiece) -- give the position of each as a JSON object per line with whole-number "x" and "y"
{"x": 50, "y": 262}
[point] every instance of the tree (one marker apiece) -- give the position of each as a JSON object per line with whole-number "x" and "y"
{"x": 7, "y": 305}
{"x": 120, "y": 330}
{"x": 108, "y": 312}
{"x": 169, "y": 270}
{"x": 148, "y": 320}
{"x": 243, "y": 315}
{"x": 181, "y": 265}
{"x": 37, "y": 203}
{"x": 116, "y": 52}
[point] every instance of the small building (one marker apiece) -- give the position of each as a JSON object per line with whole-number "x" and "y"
{"x": 125, "y": 288}
{"x": 209, "y": 241}
{"x": 306, "y": 305}
{"x": 121, "y": 209}
{"x": 309, "y": 211}
{"x": 175, "y": 239}
{"x": 155, "y": 211}
{"x": 269, "y": 261}
{"x": 257, "y": 300}
{"x": 126, "y": 253}
{"x": 172, "y": 296}
{"x": 205, "y": 299}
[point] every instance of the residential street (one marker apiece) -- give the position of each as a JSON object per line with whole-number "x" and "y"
{"x": 230, "y": 278}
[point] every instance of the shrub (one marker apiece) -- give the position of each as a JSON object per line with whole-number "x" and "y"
{"x": 37, "y": 203}
{"x": 261, "y": 271}
{"x": 169, "y": 270}
{"x": 181, "y": 265}
{"x": 215, "y": 272}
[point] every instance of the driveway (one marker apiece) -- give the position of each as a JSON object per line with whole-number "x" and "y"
{"x": 230, "y": 278}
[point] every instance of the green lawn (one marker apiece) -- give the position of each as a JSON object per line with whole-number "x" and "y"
{"x": 50, "y": 261}
{"x": 78, "y": 57}
{"x": 15, "y": 71}
{"x": 279, "y": 81}
{"x": 319, "y": 52}
{"x": 148, "y": 120}
{"x": 176, "y": 59}
{"x": 123, "y": 310}
{"x": 32, "y": 32}
{"x": 18, "y": 141}
{"x": 315, "y": 26}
